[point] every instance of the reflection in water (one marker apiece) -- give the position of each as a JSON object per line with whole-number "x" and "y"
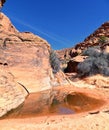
{"x": 63, "y": 110}
{"x": 80, "y": 102}
{"x": 73, "y": 103}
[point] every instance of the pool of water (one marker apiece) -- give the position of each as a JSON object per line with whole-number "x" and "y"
{"x": 72, "y": 103}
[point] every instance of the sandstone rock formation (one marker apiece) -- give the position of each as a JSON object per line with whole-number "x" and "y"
{"x": 24, "y": 66}
{"x": 12, "y": 94}
{"x": 27, "y": 58}
{"x": 73, "y": 63}
{"x": 5, "y": 24}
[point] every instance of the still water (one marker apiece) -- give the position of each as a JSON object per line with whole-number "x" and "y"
{"x": 72, "y": 103}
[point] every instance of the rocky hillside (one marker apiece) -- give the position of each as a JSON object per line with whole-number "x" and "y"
{"x": 99, "y": 37}
{"x": 25, "y": 57}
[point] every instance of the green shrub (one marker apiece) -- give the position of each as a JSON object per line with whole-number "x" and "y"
{"x": 103, "y": 39}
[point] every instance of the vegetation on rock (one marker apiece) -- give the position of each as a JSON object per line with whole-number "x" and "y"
{"x": 54, "y": 61}
{"x": 103, "y": 39}
{"x": 96, "y": 63}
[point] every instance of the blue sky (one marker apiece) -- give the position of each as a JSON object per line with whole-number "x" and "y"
{"x": 63, "y": 23}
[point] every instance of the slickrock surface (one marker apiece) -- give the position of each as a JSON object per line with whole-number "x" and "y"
{"x": 12, "y": 94}
{"x": 87, "y": 122}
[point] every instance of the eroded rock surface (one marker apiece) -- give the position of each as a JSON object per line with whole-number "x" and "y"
{"x": 12, "y": 94}
{"x": 27, "y": 58}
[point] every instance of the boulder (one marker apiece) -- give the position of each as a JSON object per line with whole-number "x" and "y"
{"x": 73, "y": 63}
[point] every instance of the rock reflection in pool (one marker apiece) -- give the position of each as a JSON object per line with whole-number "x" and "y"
{"x": 80, "y": 102}
{"x": 73, "y": 103}
{"x": 59, "y": 108}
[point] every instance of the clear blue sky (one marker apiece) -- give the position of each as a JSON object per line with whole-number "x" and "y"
{"x": 63, "y": 23}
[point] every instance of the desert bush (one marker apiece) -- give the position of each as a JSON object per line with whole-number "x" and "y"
{"x": 96, "y": 63}
{"x": 105, "y": 71}
{"x": 92, "y": 51}
{"x": 103, "y": 39}
{"x": 106, "y": 55}
{"x": 88, "y": 67}
{"x": 54, "y": 61}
